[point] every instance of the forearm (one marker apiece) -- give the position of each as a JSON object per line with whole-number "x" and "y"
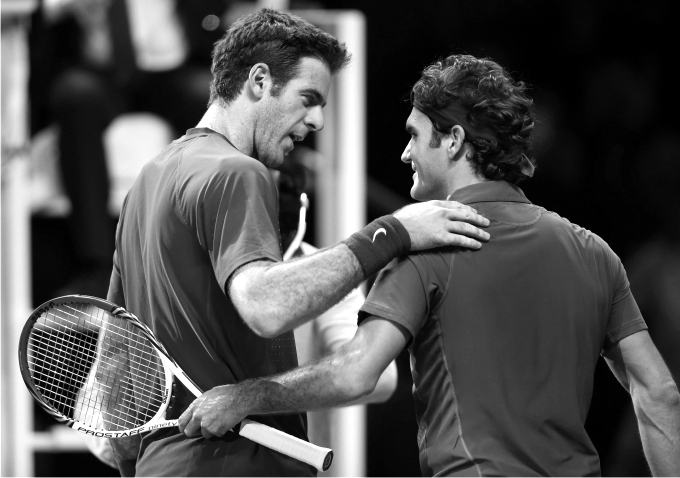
{"x": 282, "y": 296}
{"x": 331, "y": 381}
{"x": 659, "y": 423}
{"x": 324, "y": 384}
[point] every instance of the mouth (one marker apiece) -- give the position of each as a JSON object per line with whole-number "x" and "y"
{"x": 293, "y": 139}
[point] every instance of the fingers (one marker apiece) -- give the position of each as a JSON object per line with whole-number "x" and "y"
{"x": 195, "y": 426}
{"x": 206, "y": 433}
{"x": 466, "y": 229}
{"x": 464, "y": 241}
{"x": 463, "y": 212}
{"x": 453, "y": 205}
{"x": 198, "y": 419}
{"x": 187, "y": 423}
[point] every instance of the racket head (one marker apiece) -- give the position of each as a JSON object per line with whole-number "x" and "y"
{"x": 95, "y": 367}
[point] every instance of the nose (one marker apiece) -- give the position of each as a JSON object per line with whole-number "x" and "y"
{"x": 406, "y": 155}
{"x": 314, "y": 119}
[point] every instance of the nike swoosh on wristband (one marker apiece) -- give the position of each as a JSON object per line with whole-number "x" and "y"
{"x": 382, "y": 229}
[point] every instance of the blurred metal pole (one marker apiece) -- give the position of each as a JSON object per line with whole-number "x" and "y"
{"x": 341, "y": 195}
{"x": 17, "y": 405}
{"x": 280, "y": 5}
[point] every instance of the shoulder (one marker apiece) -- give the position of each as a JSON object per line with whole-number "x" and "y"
{"x": 433, "y": 263}
{"x": 588, "y": 246}
{"x": 425, "y": 272}
{"x": 211, "y": 153}
{"x": 210, "y": 162}
{"x": 586, "y": 236}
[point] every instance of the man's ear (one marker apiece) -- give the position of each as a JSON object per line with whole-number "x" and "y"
{"x": 259, "y": 80}
{"x": 456, "y": 141}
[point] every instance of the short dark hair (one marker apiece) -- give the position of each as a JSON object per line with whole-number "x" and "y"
{"x": 493, "y": 101}
{"x": 280, "y": 40}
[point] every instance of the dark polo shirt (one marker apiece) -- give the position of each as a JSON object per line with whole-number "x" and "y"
{"x": 197, "y": 212}
{"x": 505, "y": 339}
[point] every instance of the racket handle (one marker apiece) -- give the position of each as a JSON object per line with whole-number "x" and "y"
{"x": 319, "y": 457}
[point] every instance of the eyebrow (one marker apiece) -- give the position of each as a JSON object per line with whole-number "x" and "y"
{"x": 318, "y": 98}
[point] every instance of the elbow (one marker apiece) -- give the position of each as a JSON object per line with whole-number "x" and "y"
{"x": 670, "y": 396}
{"x": 663, "y": 395}
{"x": 265, "y": 317}
{"x": 667, "y": 393}
{"x": 264, "y": 325}
{"x": 386, "y": 386}
{"x": 262, "y": 319}
{"x": 358, "y": 389}
{"x": 353, "y": 386}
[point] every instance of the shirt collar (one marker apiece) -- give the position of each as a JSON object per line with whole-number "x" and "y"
{"x": 489, "y": 191}
{"x": 196, "y": 131}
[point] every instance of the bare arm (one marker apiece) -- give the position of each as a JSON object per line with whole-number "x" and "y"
{"x": 350, "y": 373}
{"x": 328, "y": 332}
{"x": 274, "y": 298}
{"x": 384, "y": 388}
{"x": 637, "y": 364}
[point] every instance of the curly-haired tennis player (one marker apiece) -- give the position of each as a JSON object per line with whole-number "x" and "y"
{"x": 503, "y": 340}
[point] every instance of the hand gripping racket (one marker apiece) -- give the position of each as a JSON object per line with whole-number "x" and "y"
{"x": 98, "y": 369}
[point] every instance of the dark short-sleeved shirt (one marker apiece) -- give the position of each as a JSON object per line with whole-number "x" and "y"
{"x": 505, "y": 339}
{"x": 196, "y": 213}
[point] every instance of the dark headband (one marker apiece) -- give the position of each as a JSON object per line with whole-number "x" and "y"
{"x": 455, "y": 114}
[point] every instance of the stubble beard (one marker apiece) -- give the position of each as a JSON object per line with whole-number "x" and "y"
{"x": 267, "y": 147}
{"x": 268, "y": 150}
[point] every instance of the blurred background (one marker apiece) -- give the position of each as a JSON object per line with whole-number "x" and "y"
{"x": 607, "y": 143}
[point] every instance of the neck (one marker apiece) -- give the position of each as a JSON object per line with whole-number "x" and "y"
{"x": 233, "y": 121}
{"x": 463, "y": 174}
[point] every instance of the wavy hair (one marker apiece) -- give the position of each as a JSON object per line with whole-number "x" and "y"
{"x": 280, "y": 40}
{"x": 493, "y": 100}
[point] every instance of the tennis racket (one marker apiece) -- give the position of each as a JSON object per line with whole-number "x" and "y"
{"x": 98, "y": 369}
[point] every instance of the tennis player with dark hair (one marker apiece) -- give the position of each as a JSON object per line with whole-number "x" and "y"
{"x": 198, "y": 249}
{"x": 503, "y": 340}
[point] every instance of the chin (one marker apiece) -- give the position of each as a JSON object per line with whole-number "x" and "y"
{"x": 271, "y": 160}
{"x": 420, "y": 195}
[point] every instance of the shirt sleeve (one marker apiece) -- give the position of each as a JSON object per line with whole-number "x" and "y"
{"x": 624, "y": 318}
{"x": 233, "y": 210}
{"x": 115, "y": 293}
{"x": 398, "y": 295}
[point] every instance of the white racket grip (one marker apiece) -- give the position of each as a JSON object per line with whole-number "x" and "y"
{"x": 319, "y": 457}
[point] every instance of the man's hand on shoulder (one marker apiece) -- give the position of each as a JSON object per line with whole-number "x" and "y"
{"x": 443, "y": 223}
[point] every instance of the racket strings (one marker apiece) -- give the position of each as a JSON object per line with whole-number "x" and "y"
{"x": 57, "y": 352}
{"x": 95, "y": 368}
{"x": 57, "y": 376}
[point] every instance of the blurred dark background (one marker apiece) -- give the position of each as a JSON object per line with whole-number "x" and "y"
{"x": 608, "y": 149}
